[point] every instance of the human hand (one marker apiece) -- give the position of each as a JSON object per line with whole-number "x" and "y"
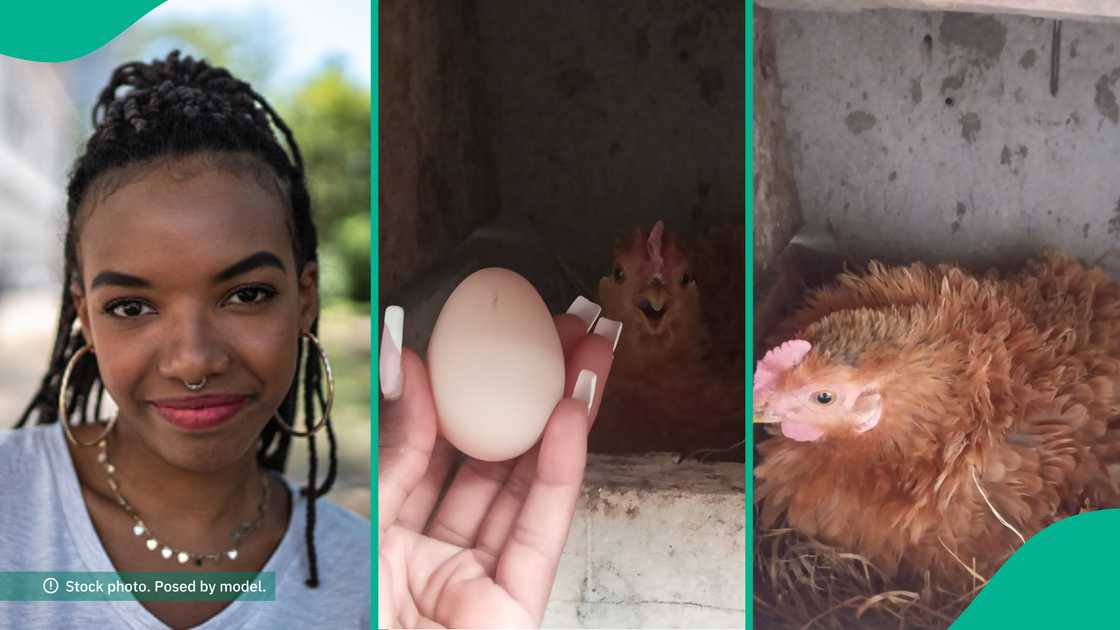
{"x": 486, "y": 554}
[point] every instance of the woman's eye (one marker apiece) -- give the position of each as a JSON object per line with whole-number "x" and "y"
{"x": 685, "y": 279}
{"x": 619, "y": 274}
{"x": 126, "y": 309}
{"x": 250, "y": 295}
{"x": 824, "y": 398}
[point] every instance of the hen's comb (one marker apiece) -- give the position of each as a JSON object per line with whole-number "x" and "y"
{"x": 778, "y": 360}
{"x": 653, "y": 248}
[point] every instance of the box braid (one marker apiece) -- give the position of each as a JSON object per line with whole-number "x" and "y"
{"x": 173, "y": 108}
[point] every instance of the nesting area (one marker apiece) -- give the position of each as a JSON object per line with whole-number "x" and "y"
{"x": 975, "y": 138}
{"x": 803, "y": 583}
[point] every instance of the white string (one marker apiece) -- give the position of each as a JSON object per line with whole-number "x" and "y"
{"x": 993, "y": 508}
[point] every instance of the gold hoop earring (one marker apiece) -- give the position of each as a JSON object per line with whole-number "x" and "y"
{"x": 62, "y": 402}
{"x": 326, "y": 365}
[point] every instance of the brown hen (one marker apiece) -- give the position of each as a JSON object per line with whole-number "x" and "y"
{"x": 677, "y": 379}
{"x": 904, "y": 395}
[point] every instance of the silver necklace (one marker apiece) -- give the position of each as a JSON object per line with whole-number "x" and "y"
{"x": 140, "y": 530}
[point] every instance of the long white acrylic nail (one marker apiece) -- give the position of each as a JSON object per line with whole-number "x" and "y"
{"x": 585, "y": 388}
{"x": 586, "y": 310}
{"x": 610, "y": 329}
{"x": 389, "y": 362}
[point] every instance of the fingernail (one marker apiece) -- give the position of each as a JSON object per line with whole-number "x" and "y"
{"x": 586, "y": 310}
{"x": 585, "y": 388}
{"x": 610, "y": 329}
{"x": 390, "y": 360}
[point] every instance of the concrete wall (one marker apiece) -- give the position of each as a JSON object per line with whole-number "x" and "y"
{"x": 612, "y": 114}
{"x": 654, "y": 544}
{"x": 777, "y": 210}
{"x": 935, "y": 135}
{"x": 1090, "y": 10}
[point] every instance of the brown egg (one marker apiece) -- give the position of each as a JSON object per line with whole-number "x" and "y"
{"x": 496, "y": 365}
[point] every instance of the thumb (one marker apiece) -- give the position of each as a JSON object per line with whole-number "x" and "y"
{"x": 407, "y": 424}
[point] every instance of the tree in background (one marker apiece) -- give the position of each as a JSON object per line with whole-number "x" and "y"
{"x": 330, "y": 117}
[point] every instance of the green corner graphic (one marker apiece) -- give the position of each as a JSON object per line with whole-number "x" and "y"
{"x": 61, "y": 31}
{"x": 1064, "y": 577}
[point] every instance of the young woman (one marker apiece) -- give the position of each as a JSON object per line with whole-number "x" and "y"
{"x": 191, "y": 298}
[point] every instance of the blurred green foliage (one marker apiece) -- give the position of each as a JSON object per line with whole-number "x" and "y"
{"x": 330, "y": 117}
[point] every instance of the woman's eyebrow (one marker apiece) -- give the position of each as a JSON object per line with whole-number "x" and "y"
{"x": 245, "y": 265}
{"x": 116, "y": 278}
{"x": 249, "y": 263}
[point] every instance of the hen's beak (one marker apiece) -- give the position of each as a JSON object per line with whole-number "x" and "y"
{"x": 765, "y": 419}
{"x": 653, "y": 302}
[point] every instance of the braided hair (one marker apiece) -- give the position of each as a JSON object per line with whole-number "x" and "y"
{"x": 167, "y": 109}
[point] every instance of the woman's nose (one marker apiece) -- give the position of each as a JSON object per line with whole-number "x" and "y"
{"x": 193, "y": 350}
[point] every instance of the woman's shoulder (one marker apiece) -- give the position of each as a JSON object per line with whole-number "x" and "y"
{"x": 343, "y": 545}
{"x": 25, "y": 444}
{"x": 342, "y": 524}
{"x": 333, "y": 521}
{"x": 29, "y": 467}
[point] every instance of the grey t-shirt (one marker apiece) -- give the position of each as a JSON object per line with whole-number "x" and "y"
{"x": 44, "y": 526}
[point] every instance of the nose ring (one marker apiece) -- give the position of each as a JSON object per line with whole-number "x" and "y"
{"x": 194, "y": 387}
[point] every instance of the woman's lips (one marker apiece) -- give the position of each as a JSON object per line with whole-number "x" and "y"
{"x": 199, "y": 412}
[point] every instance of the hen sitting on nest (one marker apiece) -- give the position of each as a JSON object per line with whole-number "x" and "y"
{"x": 928, "y": 418}
{"x": 677, "y": 382}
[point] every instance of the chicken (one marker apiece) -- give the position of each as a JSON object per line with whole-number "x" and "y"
{"x": 914, "y": 408}
{"x": 671, "y": 388}
{"x": 652, "y": 292}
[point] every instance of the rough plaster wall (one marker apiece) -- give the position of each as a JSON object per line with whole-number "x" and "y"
{"x": 777, "y": 212}
{"x": 935, "y": 136}
{"x": 654, "y": 544}
{"x": 776, "y": 208}
{"x": 1092, "y": 10}
{"x": 613, "y": 114}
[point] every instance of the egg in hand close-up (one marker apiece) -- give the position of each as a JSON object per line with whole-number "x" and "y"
{"x": 496, "y": 365}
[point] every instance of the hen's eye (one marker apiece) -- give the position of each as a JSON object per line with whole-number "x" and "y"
{"x": 250, "y": 295}
{"x": 619, "y": 274}
{"x": 824, "y": 398}
{"x": 126, "y": 309}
